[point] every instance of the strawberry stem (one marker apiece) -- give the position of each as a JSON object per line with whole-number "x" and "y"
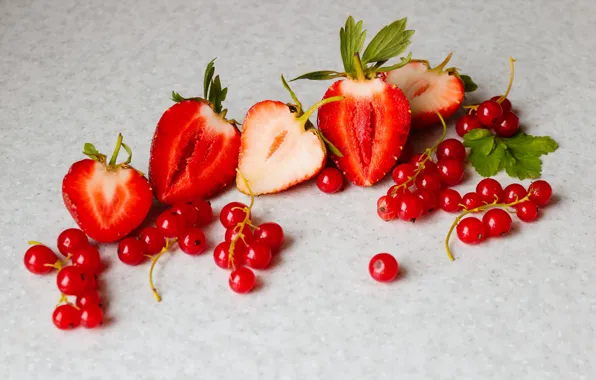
{"x": 512, "y": 73}
{"x": 444, "y": 63}
{"x": 116, "y": 150}
{"x": 293, "y": 95}
{"x": 304, "y": 118}
{"x": 358, "y": 67}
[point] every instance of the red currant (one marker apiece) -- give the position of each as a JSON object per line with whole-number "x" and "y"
{"x": 410, "y": 207}
{"x": 89, "y": 297}
{"x": 242, "y": 280}
{"x": 471, "y": 230}
{"x": 88, "y": 259}
{"x": 505, "y": 104}
{"x": 451, "y": 148}
{"x": 383, "y": 267}
{"x": 92, "y": 280}
{"x": 232, "y": 214}
{"x": 540, "y": 193}
{"x": 72, "y": 281}
{"x": 233, "y": 231}
{"x": 403, "y": 172}
{"x": 451, "y": 171}
{"x": 508, "y": 126}
{"x": 153, "y": 239}
{"x": 497, "y": 222}
{"x": 271, "y": 234}
{"x": 171, "y": 224}
{"x": 192, "y": 241}
{"x": 387, "y": 207}
{"x": 429, "y": 198}
{"x": 429, "y": 180}
{"x": 466, "y": 123}
{"x": 258, "y": 255}
{"x": 38, "y": 259}
{"x": 429, "y": 165}
{"x": 131, "y": 251}
{"x": 450, "y": 200}
{"x": 490, "y": 190}
{"x": 330, "y": 180}
{"x": 70, "y": 240}
{"x": 471, "y": 201}
{"x": 205, "y": 212}
{"x": 221, "y": 256}
{"x": 399, "y": 191}
{"x": 188, "y": 212}
{"x": 91, "y": 316}
{"x": 526, "y": 211}
{"x": 66, "y": 317}
{"x": 513, "y": 192}
{"x": 489, "y": 113}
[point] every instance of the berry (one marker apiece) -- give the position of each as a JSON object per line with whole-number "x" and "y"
{"x": 387, "y": 207}
{"x": 170, "y": 223}
{"x": 410, "y": 207}
{"x": 489, "y": 113}
{"x": 72, "y": 281}
{"x": 258, "y": 255}
{"x": 400, "y": 191}
{"x": 271, "y": 234}
{"x": 91, "y": 316}
{"x": 383, "y": 267}
{"x": 505, "y": 104}
{"x": 192, "y": 242}
{"x": 429, "y": 165}
{"x": 449, "y": 200}
{"x": 70, "y": 240}
{"x": 466, "y": 123}
{"x": 497, "y": 222}
{"x": 526, "y": 211}
{"x": 242, "y": 280}
{"x": 205, "y": 212}
{"x": 232, "y": 214}
{"x": 131, "y": 251}
{"x": 508, "y": 126}
{"x": 451, "y": 148}
{"x": 38, "y": 257}
{"x": 403, "y": 172}
{"x": 540, "y": 193}
{"x": 66, "y": 317}
{"x": 92, "y": 277}
{"x": 221, "y": 256}
{"x": 490, "y": 190}
{"x": 89, "y": 297}
{"x": 513, "y": 192}
{"x": 233, "y": 231}
{"x": 330, "y": 180}
{"x": 451, "y": 171}
{"x": 429, "y": 198}
{"x": 429, "y": 180}
{"x": 471, "y": 230}
{"x": 87, "y": 258}
{"x": 153, "y": 239}
{"x": 471, "y": 201}
{"x": 188, "y": 212}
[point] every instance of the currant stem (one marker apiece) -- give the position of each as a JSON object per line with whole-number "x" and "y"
{"x": 240, "y": 226}
{"x": 511, "y": 75}
{"x": 59, "y": 264}
{"x": 116, "y": 150}
{"x": 358, "y": 66}
{"x": 304, "y": 118}
{"x": 153, "y": 262}
{"x": 33, "y": 242}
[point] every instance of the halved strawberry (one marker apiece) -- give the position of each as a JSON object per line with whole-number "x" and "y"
{"x": 431, "y": 90}
{"x": 280, "y": 146}
{"x": 107, "y": 200}
{"x": 194, "y": 152}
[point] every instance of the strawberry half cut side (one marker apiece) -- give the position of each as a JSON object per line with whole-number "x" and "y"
{"x": 106, "y": 199}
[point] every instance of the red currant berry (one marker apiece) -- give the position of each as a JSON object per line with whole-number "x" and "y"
{"x": 489, "y": 113}
{"x": 514, "y": 192}
{"x": 92, "y": 280}
{"x": 526, "y": 211}
{"x": 271, "y": 234}
{"x": 429, "y": 165}
{"x": 396, "y": 191}
{"x": 171, "y": 224}
{"x": 91, "y": 316}
{"x": 192, "y": 242}
{"x": 383, "y": 267}
{"x": 70, "y": 240}
{"x": 403, "y": 172}
{"x": 466, "y": 123}
{"x": 258, "y": 255}
{"x": 429, "y": 180}
{"x": 242, "y": 280}
{"x": 451, "y": 148}
{"x": 490, "y": 190}
{"x": 233, "y": 231}
{"x": 429, "y": 198}
{"x": 153, "y": 239}
{"x": 387, "y": 207}
{"x": 450, "y": 200}
{"x": 508, "y": 126}
{"x": 451, "y": 171}
{"x": 188, "y": 212}
{"x": 540, "y": 193}
{"x": 66, "y": 317}
{"x": 131, "y": 251}
{"x": 72, "y": 281}
{"x": 330, "y": 180}
{"x": 221, "y": 256}
{"x": 505, "y": 104}
{"x": 88, "y": 259}
{"x": 232, "y": 214}
{"x": 205, "y": 212}
{"x": 89, "y": 297}
{"x": 410, "y": 207}
{"x": 471, "y": 230}
{"x": 497, "y": 222}
{"x": 471, "y": 201}
{"x": 38, "y": 258}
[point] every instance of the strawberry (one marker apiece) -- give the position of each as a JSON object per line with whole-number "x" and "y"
{"x": 280, "y": 147}
{"x": 106, "y": 199}
{"x": 371, "y": 125}
{"x": 431, "y": 90}
{"x": 194, "y": 153}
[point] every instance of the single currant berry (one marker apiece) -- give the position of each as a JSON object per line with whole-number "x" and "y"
{"x": 429, "y": 198}
{"x": 429, "y": 180}
{"x": 471, "y": 230}
{"x": 403, "y": 172}
{"x": 540, "y": 193}
{"x": 221, "y": 256}
{"x": 489, "y": 113}
{"x": 205, "y": 212}
{"x": 508, "y": 126}
{"x": 72, "y": 281}
{"x": 70, "y": 240}
{"x": 242, "y": 280}
{"x": 449, "y": 200}
{"x": 192, "y": 242}
{"x": 471, "y": 201}
{"x": 171, "y": 224}
{"x": 396, "y": 191}
{"x": 514, "y": 192}
{"x": 91, "y": 316}
{"x": 246, "y": 232}
{"x": 451, "y": 148}
{"x": 490, "y": 190}
{"x": 383, "y": 267}
{"x": 87, "y": 258}
{"x": 258, "y": 255}
{"x": 188, "y": 212}
{"x": 410, "y": 207}
{"x": 429, "y": 165}
{"x": 526, "y": 211}
{"x": 232, "y": 214}
{"x": 66, "y": 317}
{"x": 451, "y": 171}
{"x": 505, "y": 104}
{"x": 271, "y": 234}
{"x": 131, "y": 251}
{"x": 38, "y": 259}
{"x": 89, "y": 297}
{"x": 92, "y": 277}
{"x": 153, "y": 239}
{"x": 497, "y": 222}
{"x": 466, "y": 123}
{"x": 387, "y": 207}
{"x": 330, "y": 180}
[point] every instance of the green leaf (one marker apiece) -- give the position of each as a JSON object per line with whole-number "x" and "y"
{"x": 209, "y": 71}
{"x": 351, "y": 40}
{"x": 293, "y": 95}
{"x": 402, "y": 63}
{"x": 469, "y": 84}
{"x": 391, "y": 41}
{"x": 320, "y": 75}
{"x": 176, "y": 97}
{"x": 523, "y": 144}
{"x": 523, "y": 167}
{"x": 89, "y": 150}
{"x": 477, "y": 134}
{"x": 487, "y": 165}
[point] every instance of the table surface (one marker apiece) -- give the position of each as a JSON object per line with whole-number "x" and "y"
{"x": 521, "y": 307}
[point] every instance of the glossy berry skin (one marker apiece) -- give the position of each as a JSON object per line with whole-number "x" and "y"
{"x": 221, "y": 256}
{"x": 233, "y": 231}
{"x": 91, "y": 316}
{"x": 131, "y": 251}
{"x": 192, "y": 241}
{"x": 271, "y": 234}
{"x": 205, "y": 212}
{"x": 451, "y": 148}
{"x": 70, "y": 240}
{"x": 429, "y": 198}
{"x": 88, "y": 259}
{"x": 505, "y": 104}
{"x": 36, "y": 258}
{"x": 429, "y": 165}
{"x": 410, "y": 207}
{"x": 387, "y": 207}
{"x": 188, "y": 212}
{"x": 429, "y": 180}
{"x": 527, "y": 211}
{"x": 471, "y": 201}
{"x": 403, "y": 172}
{"x": 72, "y": 281}
{"x": 508, "y": 126}
{"x": 399, "y": 191}
{"x": 451, "y": 171}
{"x": 450, "y": 200}
{"x": 540, "y": 193}
{"x": 66, "y": 317}
{"x": 497, "y": 222}
{"x": 242, "y": 280}
{"x": 466, "y": 123}
{"x": 171, "y": 224}
{"x": 383, "y": 267}
{"x": 330, "y": 180}
{"x": 258, "y": 255}
{"x": 153, "y": 239}
{"x": 514, "y": 192}
{"x": 490, "y": 190}
{"x": 489, "y": 113}
{"x": 89, "y": 297}
{"x": 471, "y": 230}
{"x": 232, "y": 214}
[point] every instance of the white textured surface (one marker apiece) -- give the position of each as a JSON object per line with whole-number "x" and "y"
{"x": 523, "y": 307}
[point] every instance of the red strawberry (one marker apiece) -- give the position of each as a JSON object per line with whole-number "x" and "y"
{"x": 107, "y": 200}
{"x": 194, "y": 153}
{"x": 430, "y": 90}
{"x": 280, "y": 146}
{"x": 371, "y": 125}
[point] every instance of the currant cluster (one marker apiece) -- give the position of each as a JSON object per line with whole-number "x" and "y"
{"x": 77, "y": 276}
